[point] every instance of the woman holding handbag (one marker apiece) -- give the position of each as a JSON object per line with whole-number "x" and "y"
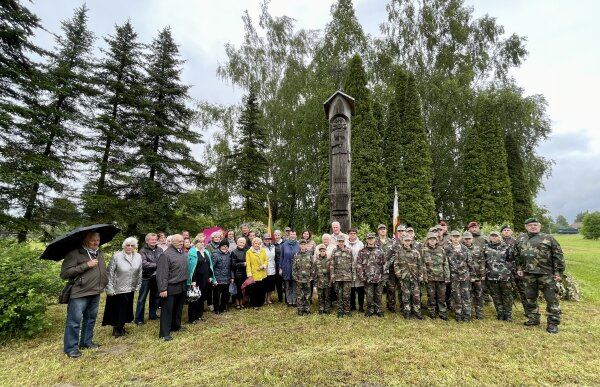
{"x": 200, "y": 276}
{"x": 256, "y": 268}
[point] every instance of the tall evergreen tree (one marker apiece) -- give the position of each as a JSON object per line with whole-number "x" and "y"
{"x": 40, "y": 154}
{"x": 248, "y": 159}
{"x": 487, "y": 191}
{"x": 120, "y": 106}
{"x": 164, "y": 164}
{"x": 521, "y": 194}
{"x": 415, "y": 199}
{"x": 368, "y": 174}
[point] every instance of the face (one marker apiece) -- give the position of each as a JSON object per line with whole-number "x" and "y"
{"x": 326, "y": 241}
{"x": 455, "y": 239}
{"x": 440, "y": 232}
{"x": 352, "y": 236}
{"x": 245, "y": 230}
{"x": 444, "y": 228}
{"x": 129, "y": 248}
{"x": 230, "y": 235}
{"x": 241, "y": 243}
{"x": 335, "y": 227}
{"x": 305, "y": 235}
{"x": 494, "y": 238}
{"x": 411, "y": 233}
{"x": 152, "y": 241}
{"x": 267, "y": 241}
{"x": 533, "y": 228}
{"x": 382, "y": 232}
{"x": 432, "y": 241}
{"x": 162, "y": 238}
{"x": 187, "y": 243}
{"x": 302, "y": 246}
{"x": 370, "y": 242}
{"x": 406, "y": 243}
{"x": 292, "y": 235}
{"x": 217, "y": 238}
{"x": 224, "y": 249}
{"x": 277, "y": 236}
{"x": 507, "y": 232}
{"x": 256, "y": 244}
{"x": 177, "y": 241}
{"x": 251, "y": 235}
{"x": 474, "y": 229}
{"x": 322, "y": 252}
{"x": 341, "y": 244}
{"x": 468, "y": 241}
{"x": 185, "y": 234}
{"x": 402, "y": 233}
{"x": 92, "y": 241}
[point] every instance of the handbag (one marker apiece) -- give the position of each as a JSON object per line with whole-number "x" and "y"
{"x": 232, "y": 289}
{"x": 65, "y": 294}
{"x": 193, "y": 294}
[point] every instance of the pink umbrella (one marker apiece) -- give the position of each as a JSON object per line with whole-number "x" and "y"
{"x": 207, "y": 232}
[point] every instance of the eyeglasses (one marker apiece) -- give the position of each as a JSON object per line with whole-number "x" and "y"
{"x": 130, "y": 245}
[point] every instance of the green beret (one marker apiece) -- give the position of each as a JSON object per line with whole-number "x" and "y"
{"x": 530, "y": 220}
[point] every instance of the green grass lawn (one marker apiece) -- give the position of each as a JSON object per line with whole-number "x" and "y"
{"x": 273, "y": 346}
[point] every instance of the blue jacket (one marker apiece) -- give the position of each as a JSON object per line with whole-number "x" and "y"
{"x": 222, "y": 267}
{"x": 288, "y": 250}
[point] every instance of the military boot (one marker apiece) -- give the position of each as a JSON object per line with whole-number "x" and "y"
{"x": 369, "y": 313}
{"x": 419, "y": 316}
{"x": 531, "y": 322}
{"x": 507, "y": 317}
{"x": 407, "y": 315}
{"x": 380, "y": 314}
{"x": 444, "y": 317}
{"x": 340, "y": 314}
{"x": 552, "y": 328}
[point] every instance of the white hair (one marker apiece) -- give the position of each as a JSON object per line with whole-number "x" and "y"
{"x": 130, "y": 241}
{"x": 326, "y": 236}
{"x": 214, "y": 234}
{"x": 335, "y": 222}
{"x": 241, "y": 238}
{"x": 150, "y": 235}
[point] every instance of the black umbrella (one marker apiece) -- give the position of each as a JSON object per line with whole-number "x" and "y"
{"x": 58, "y": 248}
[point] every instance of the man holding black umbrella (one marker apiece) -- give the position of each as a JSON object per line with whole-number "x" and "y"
{"x": 85, "y": 268}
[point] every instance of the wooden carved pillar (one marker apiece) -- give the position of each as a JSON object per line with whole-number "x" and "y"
{"x": 339, "y": 109}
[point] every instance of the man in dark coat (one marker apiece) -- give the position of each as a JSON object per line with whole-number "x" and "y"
{"x": 171, "y": 280}
{"x": 150, "y": 253}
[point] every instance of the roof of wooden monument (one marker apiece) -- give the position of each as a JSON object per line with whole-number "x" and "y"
{"x": 345, "y": 96}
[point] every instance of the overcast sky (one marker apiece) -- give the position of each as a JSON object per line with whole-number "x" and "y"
{"x": 563, "y": 63}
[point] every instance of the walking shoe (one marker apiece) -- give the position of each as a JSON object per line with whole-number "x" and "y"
{"x": 443, "y": 317}
{"x": 74, "y": 354}
{"x": 380, "y": 314}
{"x": 91, "y": 346}
{"x": 552, "y": 328}
{"x": 530, "y": 323}
{"x": 166, "y": 338}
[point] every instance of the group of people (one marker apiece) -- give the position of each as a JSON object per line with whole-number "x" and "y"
{"x": 455, "y": 270}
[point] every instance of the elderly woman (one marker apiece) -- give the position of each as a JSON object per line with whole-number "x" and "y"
{"x": 256, "y": 267}
{"x": 238, "y": 266}
{"x": 269, "y": 282}
{"x": 85, "y": 268}
{"x": 221, "y": 259}
{"x": 231, "y": 239}
{"x": 124, "y": 278}
{"x": 200, "y": 269}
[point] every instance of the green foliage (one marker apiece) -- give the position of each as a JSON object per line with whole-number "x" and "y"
{"x": 579, "y": 217}
{"x": 369, "y": 185}
{"x": 26, "y": 285}
{"x": 521, "y": 192}
{"x": 591, "y": 225}
{"x": 561, "y": 222}
{"x": 362, "y": 230}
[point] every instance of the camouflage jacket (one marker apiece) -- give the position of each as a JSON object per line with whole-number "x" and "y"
{"x": 408, "y": 264}
{"x": 371, "y": 265}
{"x": 539, "y": 254}
{"x": 510, "y": 241}
{"x": 302, "y": 267}
{"x": 478, "y": 260}
{"x": 341, "y": 265}
{"x": 322, "y": 271}
{"x": 386, "y": 247}
{"x": 436, "y": 264}
{"x": 461, "y": 263}
{"x": 498, "y": 262}
{"x": 480, "y": 240}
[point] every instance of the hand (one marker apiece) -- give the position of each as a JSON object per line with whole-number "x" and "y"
{"x": 280, "y": 272}
{"x": 520, "y": 273}
{"x": 232, "y": 280}
{"x": 163, "y": 294}
{"x": 244, "y": 264}
{"x": 110, "y": 294}
{"x": 216, "y": 283}
{"x": 557, "y": 278}
{"x": 210, "y": 279}
{"x": 92, "y": 263}
{"x": 193, "y": 284}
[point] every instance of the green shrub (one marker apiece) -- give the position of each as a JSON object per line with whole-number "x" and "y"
{"x": 27, "y": 284}
{"x": 591, "y": 225}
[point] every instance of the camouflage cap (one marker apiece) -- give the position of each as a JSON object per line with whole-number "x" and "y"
{"x": 341, "y": 238}
{"x": 467, "y": 235}
{"x": 530, "y": 220}
{"x": 505, "y": 226}
{"x": 371, "y": 235}
{"x": 287, "y": 229}
{"x": 455, "y": 233}
{"x": 407, "y": 238}
{"x": 496, "y": 233}
{"x": 431, "y": 235}
{"x": 302, "y": 241}
{"x": 322, "y": 247}
{"x": 381, "y": 226}
{"x": 400, "y": 228}
{"x": 410, "y": 229}
{"x": 433, "y": 229}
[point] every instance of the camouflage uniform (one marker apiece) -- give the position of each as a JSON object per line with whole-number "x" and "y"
{"x": 322, "y": 277}
{"x": 517, "y": 282}
{"x": 461, "y": 272}
{"x": 437, "y": 274}
{"x": 408, "y": 267}
{"x": 341, "y": 275}
{"x": 386, "y": 246}
{"x": 302, "y": 270}
{"x": 540, "y": 257}
{"x": 372, "y": 269}
{"x": 479, "y": 283}
{"x": 499, "y": 274}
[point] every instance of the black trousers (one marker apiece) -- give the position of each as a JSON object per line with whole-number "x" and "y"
{"x": 279, "y": 286}
{"x": 196, "y": 308}
{"x": 170, "y": 315}
{"x": 220, "y": 297}
{"x": 360, "y": 292}
{"x": 257, "y": 294}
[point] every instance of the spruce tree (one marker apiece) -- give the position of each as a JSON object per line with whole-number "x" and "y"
{"x": 521, "y": 194}
{"x": 248, "y": 159}
{"x": 415, "y": 199}
{"x": 367, "y": 174}
{"x": 120, "y": 106}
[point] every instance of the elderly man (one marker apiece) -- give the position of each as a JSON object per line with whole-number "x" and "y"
{"x": 540, "y": 263}
{"x": 171, "y": 280}
{"x": 150, "y": 253}
{"x": 336, "y": 232}
{"x": 85, "y": 268}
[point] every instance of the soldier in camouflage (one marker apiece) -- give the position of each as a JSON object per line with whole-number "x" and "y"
{"x": 408, "y": 268}
{"x": 540, "y": 262}
{"x": 372, "y": 270}
{"x": 498, "y": 275}
{"x": 462, "y": 272}
{"x": 302, "y": 270}
{"x": 386, "y": 244}
{"x": 341, "y": 275}
{"x": 437, "y": 275}
{"x": 322, "y": 278}
{"x": 517, "y": 282}
{"x": 415, "y": 243}
{"x": 478, "y": 239}
{"x": 479, "y": 283}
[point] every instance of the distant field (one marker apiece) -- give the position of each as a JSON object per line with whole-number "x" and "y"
{"x": 275, "y": 347}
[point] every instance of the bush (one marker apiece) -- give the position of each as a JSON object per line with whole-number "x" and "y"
{"x": 591, "y": 225}
{"x": 27, "y": 284}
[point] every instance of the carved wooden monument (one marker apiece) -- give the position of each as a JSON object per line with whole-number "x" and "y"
{"x": 339, "y": 109}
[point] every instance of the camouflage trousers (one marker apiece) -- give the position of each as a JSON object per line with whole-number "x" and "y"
{"x": 324, "y": 295}
{"x": 391, "y": 290}
{"x": 303, "y": 296}
{"x": 519, "y": 284}
{"x": 411, "y": 292}
{"x": 436, "y": 298}
{"x": 501, "y": 292}
{"x": 373, "y": 293}
{"x": 461, "y": 294}
{"x": 477, "y": 294}
{"x": 342, "y": 290}
{"x": 546, "y": 283}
